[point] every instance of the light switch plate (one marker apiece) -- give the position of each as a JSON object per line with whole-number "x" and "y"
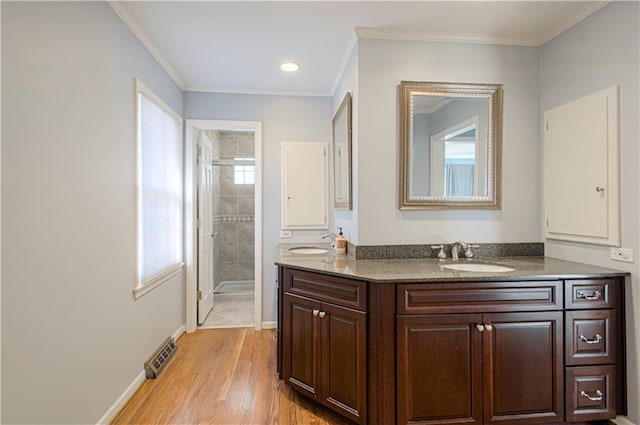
{"x": 622, "y": 254}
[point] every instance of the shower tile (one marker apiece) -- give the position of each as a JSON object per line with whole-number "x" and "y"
{"x": 228, "y": 147}
{"x": 246, "y": 251}
{"x": 246, "y": 189}
{"x": 246, "y": 147}
{"x": 246, "y": 205}
{"x": 227, "y": 186}
{"x": 229, "y": 205}
{"x": 246, "y": 231}
{"x": 229, "y": 252}
{"x": 228, "y": 232}
{"x": 246, "y": 271}
{"x": 229, "y": 271}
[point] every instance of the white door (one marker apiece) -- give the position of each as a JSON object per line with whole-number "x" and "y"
{"x": 206, "y": 233}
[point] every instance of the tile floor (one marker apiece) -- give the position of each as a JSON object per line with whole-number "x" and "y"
{"x": 230, "y": 314}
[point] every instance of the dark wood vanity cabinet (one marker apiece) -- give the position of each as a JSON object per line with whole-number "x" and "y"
{"x": 521, "y": 352}
{"x": 324, "y": 341}
{"x": 480, "y": 367}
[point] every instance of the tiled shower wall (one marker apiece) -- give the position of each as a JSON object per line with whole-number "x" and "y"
{"x": 234, "y": 211}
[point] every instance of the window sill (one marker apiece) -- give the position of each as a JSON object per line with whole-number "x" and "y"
{"x": 157, "y": 281}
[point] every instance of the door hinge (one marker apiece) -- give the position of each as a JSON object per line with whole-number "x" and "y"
{"x": 547, "y": 125}
{"x": 197, "y": 223}
{"x": 547, "y": 222}
{"x": 200, "y": 295}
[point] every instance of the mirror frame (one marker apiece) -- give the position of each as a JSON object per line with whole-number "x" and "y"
{"x": 344, "y": 110}
{"x": 494, "y": 93}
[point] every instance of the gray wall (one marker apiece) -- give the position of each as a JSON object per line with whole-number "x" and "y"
{"x": 600, "y": 52}
{"x": 382, "y": 64}
{"x": 73, "y": 338}
{"x": 284, "y": 119}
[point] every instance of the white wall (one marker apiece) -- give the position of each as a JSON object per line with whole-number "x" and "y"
{"x": 602, "y": 51}
{"x": 382, "y": 65}
{"x": 284, "y": 119}
{"x": 348, "y": 83}
{"x": 73, "y": 338}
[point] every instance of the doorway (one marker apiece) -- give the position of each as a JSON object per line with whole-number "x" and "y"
{"x": 224, "y": 282}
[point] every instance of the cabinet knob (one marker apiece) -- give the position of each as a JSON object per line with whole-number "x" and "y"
{"x": 596, "y": 339}
{"x": 322, "y": 314}
{"x": 597, "y": 397}
{"x": 480, "y": 327}
{"x": 315, "y": 312}
{"x": 599, "y": 189}
{"x": 596, "y": 295}
{"x": 488, "y": 327}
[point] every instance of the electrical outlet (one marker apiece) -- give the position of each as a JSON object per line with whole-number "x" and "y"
{"x": 622, "y": 254}
{"x": 285, "y": 233}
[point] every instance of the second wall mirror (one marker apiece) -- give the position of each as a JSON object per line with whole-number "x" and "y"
{"x": 342, "y": 155}
{"x": 450, "y": 145}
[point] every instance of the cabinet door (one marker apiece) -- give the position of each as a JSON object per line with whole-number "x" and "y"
{"x": 439, "y": 369}
{"x": 300, "y": 344}
{"x": 523, "y": 372}
{"x": 344, "y": 361}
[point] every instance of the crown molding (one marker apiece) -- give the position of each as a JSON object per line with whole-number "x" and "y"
{"x": 269, "y": 92}
{"x": 126, "y": 17}
{"x": 345, "y": 60}
{"x": 372, "y": 33}
{"x": 588, "y": 10}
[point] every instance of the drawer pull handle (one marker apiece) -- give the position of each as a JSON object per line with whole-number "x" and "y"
{"x": 322, "y": 313}
{"x": 598, "y": 396}
{"x": 596, "y": 295}
{"x": 596, "y": 339}
{"x": 480, "y": 327}
{"x": 315, "y": 312}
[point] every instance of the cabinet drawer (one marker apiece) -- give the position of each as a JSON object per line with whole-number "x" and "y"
{"x": 590, "y": 393}
{"x": 590, "y": 337}
{"x": 479, "y": 297}
{"x": 590, "y": 293}
{"x": 335, "y": 290}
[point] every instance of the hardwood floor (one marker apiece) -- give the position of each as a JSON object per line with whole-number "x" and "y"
{"x": 224, "y": 377}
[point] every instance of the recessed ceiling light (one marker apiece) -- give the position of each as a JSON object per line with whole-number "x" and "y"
{"x": 290, "y": 67}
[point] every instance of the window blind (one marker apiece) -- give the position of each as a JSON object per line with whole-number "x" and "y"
{"x": 159, "y": 191}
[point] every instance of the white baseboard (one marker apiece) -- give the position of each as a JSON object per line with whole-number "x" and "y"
{"x": 622, "y": 420}
{"x": 113, "y": 411}
{"x": 269, "y": 325}
{"x": 115, "y": 408}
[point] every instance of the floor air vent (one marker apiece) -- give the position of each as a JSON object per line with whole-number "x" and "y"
{"x": 159, "y": 358}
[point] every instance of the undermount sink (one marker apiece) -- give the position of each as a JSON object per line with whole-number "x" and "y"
{"x": 477, "y": 267}
{"x": 308, "y": 250}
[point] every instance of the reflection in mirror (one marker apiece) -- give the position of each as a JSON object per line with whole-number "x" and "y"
{"x": 450, "y": 145}
{"x": 342, "y": 154}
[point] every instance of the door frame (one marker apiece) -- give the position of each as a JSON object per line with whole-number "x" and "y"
{"x": 190, "y": 214}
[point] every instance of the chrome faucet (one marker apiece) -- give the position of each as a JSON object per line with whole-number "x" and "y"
{"x": 468, "y": 253}
{"x": 455, "y": 247}
{"x": 333, "y": 239}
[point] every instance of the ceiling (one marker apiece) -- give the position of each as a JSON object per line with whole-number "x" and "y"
{"x": 237, "y": 46}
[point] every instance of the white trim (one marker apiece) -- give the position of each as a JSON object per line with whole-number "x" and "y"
{"x": 269, "y": 325}
{"x": 130, "y": 391}
{"x": 589, "y": 10}
{"x": 121, "y": 401}
{"x": 145, "y": 287}
{"x": 190, "y": 213}
{"x": 271, "y": 92}
{"x": 376, "y": 34}
{"x": 157, "y": 280}
{"x": 353, "y": 42}
{"x": 128, "y": 20}
{"x": 622, "y": 420}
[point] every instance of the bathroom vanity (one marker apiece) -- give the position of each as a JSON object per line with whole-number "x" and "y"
{"x": 408, "y": 341}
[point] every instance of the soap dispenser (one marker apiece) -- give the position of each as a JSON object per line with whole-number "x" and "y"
{"x": 341, "y": 243}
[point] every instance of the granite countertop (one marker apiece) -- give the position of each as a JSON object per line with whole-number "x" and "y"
{"x": 430, "y": 269}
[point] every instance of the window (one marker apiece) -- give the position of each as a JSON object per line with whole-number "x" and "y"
{"x": 159, "y": 191}
{"x": 244, "y": 174}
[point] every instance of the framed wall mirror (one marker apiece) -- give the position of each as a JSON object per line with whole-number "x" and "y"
{"x": 342, "y": 155}
{"x": 450, "y": 145}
